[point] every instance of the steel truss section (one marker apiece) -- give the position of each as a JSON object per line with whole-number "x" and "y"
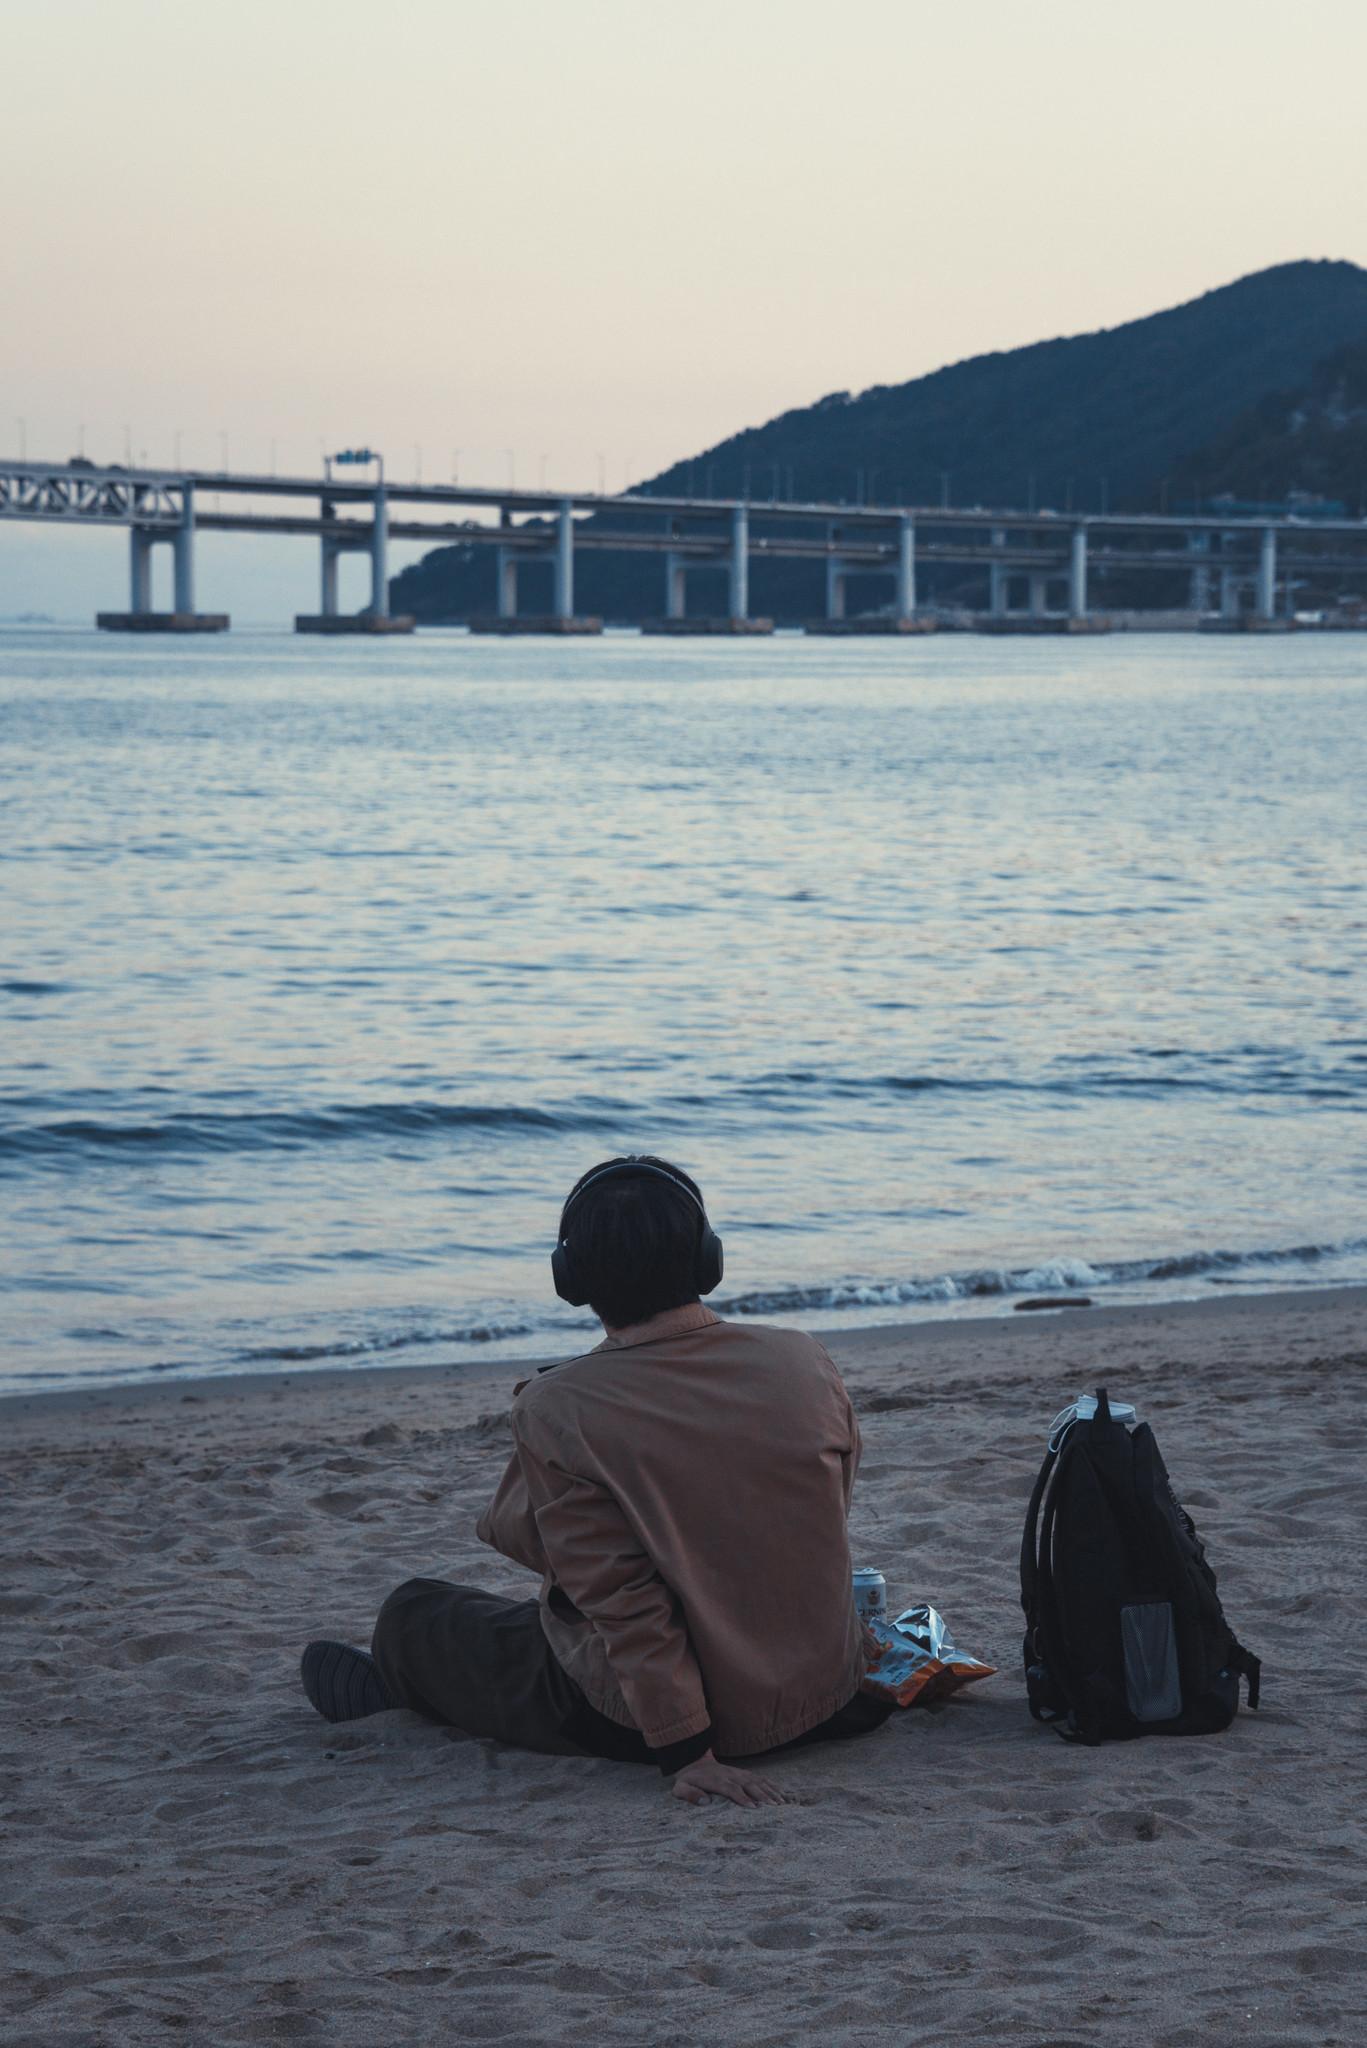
{"x": 102, "y": 497}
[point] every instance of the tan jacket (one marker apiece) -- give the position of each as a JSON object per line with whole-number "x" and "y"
{"x": 684, "y": 1499}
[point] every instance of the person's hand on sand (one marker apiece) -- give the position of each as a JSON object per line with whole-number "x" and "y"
{"x": 705, "y": 1779}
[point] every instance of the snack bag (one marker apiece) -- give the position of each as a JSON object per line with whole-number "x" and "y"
{"x": 919, "y": 1662}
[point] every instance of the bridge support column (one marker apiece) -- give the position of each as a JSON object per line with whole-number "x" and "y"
{"x": 139, "y": 571}
{"x": 740, "y": 563}
{"x": 906, "y": 569}
{"x": 676, "y": 604}
{"x": 835, "y": 587}
{"x": 1267, "y": 574}
{"x": 182, "y": 618}
{"x": 1199, "y": 545}
{"x": 184, "y": 601}
{"x": 1229, "y": 591}
{"x": 327, "y": 592}
{"x": 997, "y": 576}
{"x": 328, "y": 551}
{"x": 564, "y": 561}
{"x": 1077, "y": 574}
{"x": 1039, "y": 593}
{"x": 379, "y": 557}
{"x": 506, "y": 572}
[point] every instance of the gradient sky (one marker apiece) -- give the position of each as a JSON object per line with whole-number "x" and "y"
{"x": 604, "y": 231}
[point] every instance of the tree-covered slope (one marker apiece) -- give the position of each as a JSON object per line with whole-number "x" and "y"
{"x": 1312, "y": 439}
{"x": 1111, "y": 417}
{"x": 1122, "y": 405}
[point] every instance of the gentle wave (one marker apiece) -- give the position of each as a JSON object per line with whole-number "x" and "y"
{"x": 557, "y": 1331}
{"x": 371, "y": 1347}
{"x": 1227, "y": 1074}
{"x": 1051, "y": 1276}
{"x": 205, "y": 1131}
{"x": 287, "y": 1130}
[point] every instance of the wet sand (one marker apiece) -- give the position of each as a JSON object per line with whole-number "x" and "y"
{"x": 191, "y": 1854}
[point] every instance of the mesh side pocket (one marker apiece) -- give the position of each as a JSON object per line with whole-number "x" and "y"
{"x": 1153, "y": 1682}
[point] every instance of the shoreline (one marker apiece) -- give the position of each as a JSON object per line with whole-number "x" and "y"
{"x": 858, "y": 1343}
{"x": 191, "y": 1848}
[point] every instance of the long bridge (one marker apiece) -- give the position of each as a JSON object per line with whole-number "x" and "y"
{"x": 1235, "y": 568}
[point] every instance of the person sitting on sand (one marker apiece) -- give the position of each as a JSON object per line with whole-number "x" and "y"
{"x": 682, "y": 1491}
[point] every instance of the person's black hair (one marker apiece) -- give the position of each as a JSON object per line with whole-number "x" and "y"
{"x": 635, "y": 1242}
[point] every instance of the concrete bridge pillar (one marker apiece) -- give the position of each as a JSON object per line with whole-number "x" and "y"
{"x": 139, "y": 570}
{"x": 1199, "y": 545}
{"x": 184, "y": 601}
{"x": 997, "y": 575}
{"x": 1267, "y": 574}
{"x": 835, "y": 587}
{"x": 379, "y": 557}
{"x": 506, "y": 573}
{"x": 906, "y": 569}
{"x": 1039, "y": 593}
{"x": 564, "y": 561}
{"x": 676, "y": 604}
{"x": 1229, "y": 591}
{"x": 740, "y": 562}
{"x": 180, "y": 616}
{"x": 327, "y": 594}
{"x": 1077, "y": 574}
{"x": 835, "y": 576}
{"x": 328, "y": 551}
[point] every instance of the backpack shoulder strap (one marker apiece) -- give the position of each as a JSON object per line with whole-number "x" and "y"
{"x": 1030, "y": 1538}
{"x": 1249, "y": 1667}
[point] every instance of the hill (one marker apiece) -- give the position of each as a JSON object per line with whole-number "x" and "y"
{"x": 1110, "y": 418}
{"x": 1311, "y": 439}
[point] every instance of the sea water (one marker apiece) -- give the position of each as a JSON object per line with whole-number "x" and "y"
{"x": 955, "y": 969}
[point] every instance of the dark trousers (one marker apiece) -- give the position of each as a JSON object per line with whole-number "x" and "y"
{"x": 482, "y": 1663}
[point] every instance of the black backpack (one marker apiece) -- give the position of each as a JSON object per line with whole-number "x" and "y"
{"x": 1125, "y": 1634}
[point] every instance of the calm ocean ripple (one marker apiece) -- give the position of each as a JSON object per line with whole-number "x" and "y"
{"x": 955, "y": 970}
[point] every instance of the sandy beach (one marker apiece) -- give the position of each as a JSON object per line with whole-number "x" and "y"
{"x": 190, "y": 1854}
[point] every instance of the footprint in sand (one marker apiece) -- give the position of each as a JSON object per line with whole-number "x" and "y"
{"x": 1321, "y": 1959}
{"x": 170, "y": 1643}
{"x": 784, "y": 1934}
{"x": 1138, "y": 1824}
{"x": 338, "y": 1502}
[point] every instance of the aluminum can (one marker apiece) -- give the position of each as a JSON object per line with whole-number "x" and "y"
{"x": 870, "y": 1593}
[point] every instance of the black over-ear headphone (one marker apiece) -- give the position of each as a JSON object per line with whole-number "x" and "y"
{"x": 707, "y": 1259}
